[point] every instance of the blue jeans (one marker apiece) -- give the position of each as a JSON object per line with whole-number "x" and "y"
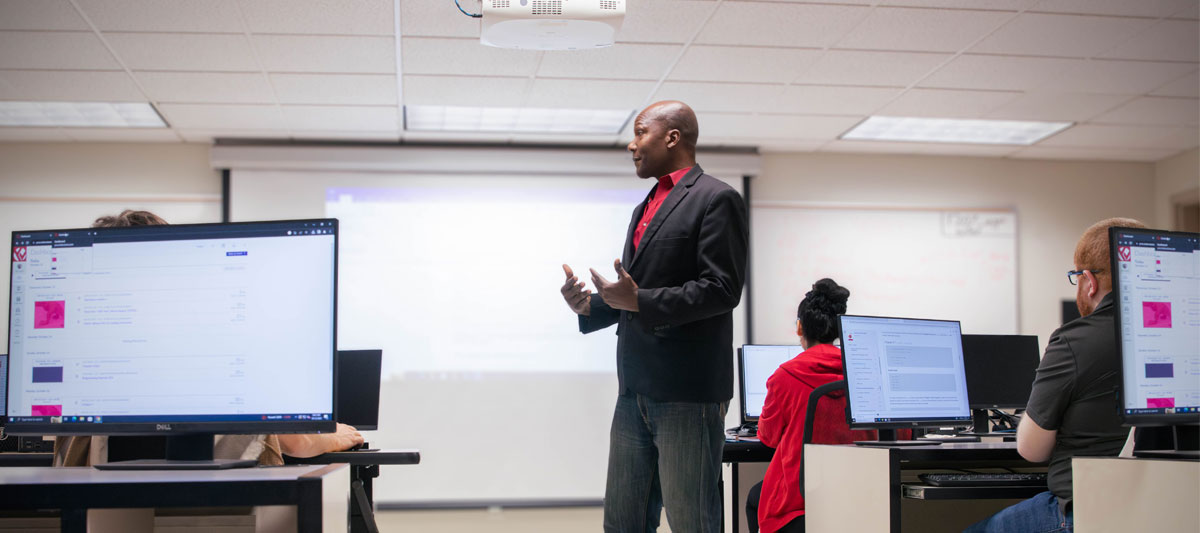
{"x": 1038, "y": 514}
{"x": 664, "y": 453}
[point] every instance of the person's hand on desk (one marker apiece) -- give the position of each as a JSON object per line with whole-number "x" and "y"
{"x": 578, "y": 298}
{"x": 621, "y": 294}
{"x": 311, "y": 445}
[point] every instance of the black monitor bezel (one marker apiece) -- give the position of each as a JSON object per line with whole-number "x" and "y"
{"x": 376, "y": 356}
{"x": 741, "y": 362}
{"x": 166, "y": 427}
{"x": 1002, "y": 405}
{"x": 924, "y": 423}
{"x": 1137, "y": 419}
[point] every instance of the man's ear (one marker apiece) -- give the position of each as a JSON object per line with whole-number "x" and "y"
{"x": 673, "y": 137}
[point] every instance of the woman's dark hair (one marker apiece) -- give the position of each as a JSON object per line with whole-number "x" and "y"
{"x": 128, "y": 218}
{"x": 819, "y": 310}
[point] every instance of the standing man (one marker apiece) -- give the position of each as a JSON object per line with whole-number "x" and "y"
{"x": 1073, "y": 410}
{"x": 678, "y": 280}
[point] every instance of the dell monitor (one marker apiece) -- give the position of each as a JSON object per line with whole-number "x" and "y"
{"x": 358, "y": 374}
{"x": 182, "y": 330}
{"x": 1000, "y": 371}
{"x": 756, "y": 363}
{"x": 1156, "y": 292}
{"x": 903, "y": 373}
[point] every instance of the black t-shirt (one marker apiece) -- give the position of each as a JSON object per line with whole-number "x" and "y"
{"x": 1075, "y": 393}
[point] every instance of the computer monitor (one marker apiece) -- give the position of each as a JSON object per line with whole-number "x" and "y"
{"x": 756, "y": 363}
{"x": 1156, "y": 291}
{"x": 174, "y": 330}
{"x": 1000, "y": 369}
{"x": 358, "y": 388}
{"x": 903, "y": 373}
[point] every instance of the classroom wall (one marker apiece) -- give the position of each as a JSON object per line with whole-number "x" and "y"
{"x": 1172, "y": 176}
{"x": 1055, "y": 201}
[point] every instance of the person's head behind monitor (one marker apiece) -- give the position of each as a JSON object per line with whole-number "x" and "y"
{"x": 1092, "y": 259}
{"x": 816, "y": 316}
{"x": 127, "y": 218}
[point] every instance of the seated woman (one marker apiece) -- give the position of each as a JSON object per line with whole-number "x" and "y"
{"x": 268, "y": 450}
{"x": 776, "y": 504}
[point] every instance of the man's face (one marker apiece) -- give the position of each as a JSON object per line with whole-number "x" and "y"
{"x": 649, "y": 147}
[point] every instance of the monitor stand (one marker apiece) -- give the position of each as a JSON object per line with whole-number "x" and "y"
{"x": 1187, "y": 445}
{"x": 887, "y": 438}
{"x": 184, "y": 452}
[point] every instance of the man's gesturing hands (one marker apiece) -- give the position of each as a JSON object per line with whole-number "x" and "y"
{"x": 621, "y": 294}
{"x": 578, "y": 299}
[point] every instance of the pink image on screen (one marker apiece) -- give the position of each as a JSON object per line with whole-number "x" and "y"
{"x": 47, "y": 410}
{"x": 49, "y": 314}
{"x": 1152, "y": 403}
{"x": 1156, "y": 314}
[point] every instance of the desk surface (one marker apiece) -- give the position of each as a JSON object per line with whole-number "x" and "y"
{"x": 746, "y": 452}
{"x": 10, "y": 459}
{"x": 381, "y": 457}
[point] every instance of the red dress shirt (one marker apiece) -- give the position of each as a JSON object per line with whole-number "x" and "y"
{"x": 665, "y": 184}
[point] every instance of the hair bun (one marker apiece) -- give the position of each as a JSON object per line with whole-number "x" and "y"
{"x": 828, "y": 291}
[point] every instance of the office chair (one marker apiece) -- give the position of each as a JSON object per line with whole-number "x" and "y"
{"x": 810, "y": 414}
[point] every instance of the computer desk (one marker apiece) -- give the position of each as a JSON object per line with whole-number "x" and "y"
{"x": 742, "y": 452}
{"x": 865, "y": 488}
{"x": 319, "y": 492}
{"x": 364, "y": 467}
{"x": 1120, "y": 494}
{"x": 26, "y": 459}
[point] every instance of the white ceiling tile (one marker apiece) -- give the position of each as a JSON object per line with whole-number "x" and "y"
{"x": 1188, "y": 86}
{"x": 219, "y": 117}
{"x": 662, "y": 21}
{"x": 1073, "y": 107}
{"x": 869, "y": 147}
{"x": 453, "y": 136}
{"x": 1184, "y": 138}
{"x": 834, "y": 100}
{"x": 775, "y": 24}
{"x": 350, "y": 118}
{"x": 972, "y": 150}
{"x": 1004, "y": 5}
{"x": 355, "y": 89}
{"x": 1060, "y": 35}
{"x": 895, "y": 69}
{"x": 163, "y": 15}
{"x": 997, "y": 72}
{"x": 466, "y": 57}
{"x": 422, "y": 18}
{"x": 787, "y": 145}
{"x": 207, "y": 87}
{"x": 1105, "y": 136}
{"x": 1155, "y": 110}
{"x": 588, "y": 94}
{"x": 945, "y": 103}
{"x": 9, "y": 134}
{"x": 183, "y": 51}
{"x": 121, "y": 134}
{"x": 743, "y": 64}
{"x": 40, "y": 15}
{"x": 1140, "y": 8}
{"x": 326, "y": 53}
{"x": 1192, "y": 11}
{"x": 621, "y": 61}
{"x": 1095, "y": 154}
{"x": 470, "y": 91}
{"x": 1115, "y": 77}
{"x": 722, "y": 97}
{"x": 345, "y": 136}
{"x": 800, "y": 127}
{"x": 324, "y": 17}
{"x": 69, "y": 85}
{"x": 210, "y": 135}
{"x": 923, "y": 30}
{"x": 54, "y": 50}
{"x": 1168, "y": 40}
{"x": 572, "y": 139}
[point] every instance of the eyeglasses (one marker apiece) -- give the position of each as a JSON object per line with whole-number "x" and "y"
{"x": 1073, "y": 274}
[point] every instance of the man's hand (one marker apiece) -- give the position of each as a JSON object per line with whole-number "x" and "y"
{"x": 578, "y": 299}
{"x": 345, "y": 438}
{"x": 621, "y": 294}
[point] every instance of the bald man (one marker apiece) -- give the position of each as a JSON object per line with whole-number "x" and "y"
{"x": 677, "y": 282}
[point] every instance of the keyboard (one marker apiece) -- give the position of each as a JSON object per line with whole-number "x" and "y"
{"x": 984, "y": 480}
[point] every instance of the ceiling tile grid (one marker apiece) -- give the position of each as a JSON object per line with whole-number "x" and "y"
{"x": 779, "y": 75}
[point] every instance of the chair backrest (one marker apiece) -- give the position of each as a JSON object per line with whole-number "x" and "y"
{"x": 810, "y": 414}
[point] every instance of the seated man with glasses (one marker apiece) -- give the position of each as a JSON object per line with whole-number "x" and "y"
{"x": 1072, "y": 410}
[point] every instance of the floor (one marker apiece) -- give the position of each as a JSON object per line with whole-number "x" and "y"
{"x": 562, "y": 520}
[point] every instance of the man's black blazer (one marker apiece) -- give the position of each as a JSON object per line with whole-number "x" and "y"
{"x": 690, "y": 268}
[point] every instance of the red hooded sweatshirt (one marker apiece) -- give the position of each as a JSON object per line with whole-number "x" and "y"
{"x": 781, "y": 426}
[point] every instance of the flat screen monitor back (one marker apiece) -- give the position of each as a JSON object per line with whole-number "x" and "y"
{"x": 3, "y": 385}
{"x": 1000, "y": 369}
{"x": 358, "y": 373}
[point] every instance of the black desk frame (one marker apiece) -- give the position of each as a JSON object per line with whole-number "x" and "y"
{"x": 742, "y": 452}
{"x": 364, "y": 468}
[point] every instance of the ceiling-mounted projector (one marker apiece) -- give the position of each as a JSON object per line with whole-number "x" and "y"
{"x": 551, "y": 24}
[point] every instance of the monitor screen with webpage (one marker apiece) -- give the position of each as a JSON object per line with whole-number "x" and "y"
{"x": 903, "y": 372}
{"x": 756, "y": 363}
{"x": 186, "y": 329}
{"x": 1156, "y": 291}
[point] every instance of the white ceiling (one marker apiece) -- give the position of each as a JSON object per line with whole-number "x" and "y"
{"x": 779, "y": 75}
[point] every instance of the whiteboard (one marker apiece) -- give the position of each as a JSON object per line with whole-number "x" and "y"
{"x": 918, "y": 263}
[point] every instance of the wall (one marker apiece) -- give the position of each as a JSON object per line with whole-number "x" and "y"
{"x": 1172, "y": 176}
{"x": 1055, "y": 201}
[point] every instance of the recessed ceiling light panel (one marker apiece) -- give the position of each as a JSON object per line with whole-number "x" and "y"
{"x": 514, "y": 119}
{"x": 947, "y": 130}
{"x": 80, "y": 114}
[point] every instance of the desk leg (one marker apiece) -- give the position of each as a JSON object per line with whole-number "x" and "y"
{"x": 362, "y": 505}
{"x": 74, "y": 521}
{"x": 309, "y": 507}
{"x": 733, "y": 468}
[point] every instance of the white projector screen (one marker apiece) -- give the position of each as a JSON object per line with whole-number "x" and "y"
{"x": 456, "y": 278}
